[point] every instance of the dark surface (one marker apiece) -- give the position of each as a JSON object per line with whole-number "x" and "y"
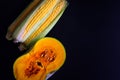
{"x": 90, "y": 32}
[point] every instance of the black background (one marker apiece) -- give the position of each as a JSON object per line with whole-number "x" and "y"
{"x": 89, "y": 30}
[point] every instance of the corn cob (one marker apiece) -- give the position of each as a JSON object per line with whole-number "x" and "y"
{"x": 38, "y": 20}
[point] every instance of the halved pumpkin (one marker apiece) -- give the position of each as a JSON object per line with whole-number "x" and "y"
{"x": 47, "y": 56}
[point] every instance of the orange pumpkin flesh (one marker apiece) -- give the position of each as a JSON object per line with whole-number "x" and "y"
{"x": 46, "y": 56}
